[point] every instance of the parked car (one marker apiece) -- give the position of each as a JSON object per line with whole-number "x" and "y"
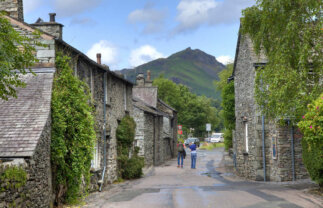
{"x": 217, "y": 137}
{"x": 191, "y": 140}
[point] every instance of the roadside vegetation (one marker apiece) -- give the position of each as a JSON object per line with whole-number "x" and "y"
{"x": 210, "y": 146}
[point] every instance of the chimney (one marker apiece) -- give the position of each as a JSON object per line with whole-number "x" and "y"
{"x": 98, "y": 58}
{"x": 52, "y": 17}
{"x": 140, "y": 80}
{"x": 52, "y": 27}
{"x": 14, "y": 8}
{"x": 148, "y": 75}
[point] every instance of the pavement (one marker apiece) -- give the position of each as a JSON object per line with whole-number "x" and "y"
{"x": 211, "y": 184}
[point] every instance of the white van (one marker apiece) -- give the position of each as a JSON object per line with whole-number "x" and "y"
{"x": 217, "y": 137}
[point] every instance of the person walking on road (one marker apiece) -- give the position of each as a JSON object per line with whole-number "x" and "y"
{"x": 193, "y": 155}
{"x": 181, "y": 154}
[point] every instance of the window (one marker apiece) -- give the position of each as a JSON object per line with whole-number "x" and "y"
{"x": 246, "y": 137}
{"x": 95, "y": 162}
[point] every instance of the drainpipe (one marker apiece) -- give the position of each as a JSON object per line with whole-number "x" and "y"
{"x": 104, "y": 129}
{"x": 263, "y": 146}
{"x": 292, "y": 148}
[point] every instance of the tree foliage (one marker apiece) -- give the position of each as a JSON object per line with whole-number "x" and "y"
{"x": 73, "y": 133}
{"x": 16, "y": 55}
{"x": 312, "y": 142}
{"x": 193, "y": 111}
{"x": 228, "y": 103}
{"x": 290, "y": 34}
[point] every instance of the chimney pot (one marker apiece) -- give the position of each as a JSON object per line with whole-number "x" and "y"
{"x": 148, "y": 75}
{"x": 52, "y": 17}
{"x": 98, "y": 58}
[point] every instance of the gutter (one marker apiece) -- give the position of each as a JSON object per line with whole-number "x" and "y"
{"x": 104, "y": 130}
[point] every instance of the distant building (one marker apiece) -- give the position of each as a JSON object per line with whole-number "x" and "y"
{"x": 282, "y": 152}
{"x": 156, "y": 132}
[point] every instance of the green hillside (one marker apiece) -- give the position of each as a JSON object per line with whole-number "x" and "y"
{"x": 193, "y": 68}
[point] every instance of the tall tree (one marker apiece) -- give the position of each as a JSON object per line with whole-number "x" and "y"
{"x": 228, "y": 103}
{"x": 290, "y": 34}
{"x": 16, "y": 56}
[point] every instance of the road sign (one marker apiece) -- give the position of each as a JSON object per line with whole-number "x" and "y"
{"x": 179, "y": 127}
{"x": 208, "y": 127}
{"x": 180, "y": 132}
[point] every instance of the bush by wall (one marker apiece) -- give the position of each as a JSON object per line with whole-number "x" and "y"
{"x": 129, "y": 168}
{"x": 73, "y": 134}
{"x": 312, "y": 143}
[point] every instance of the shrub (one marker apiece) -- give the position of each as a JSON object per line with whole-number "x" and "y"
{"x": 227, "y": 139}
{"x": 15, "y": 177}
{"x": 125, "y": 135}
{"x": 133, "y": 168}
{"x": 312, "y": 128}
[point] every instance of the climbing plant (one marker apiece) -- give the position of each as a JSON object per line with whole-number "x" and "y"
{"x": 129, "y": 168}
{"x": 73, "y": 133}
{"x": 12, "y": 178}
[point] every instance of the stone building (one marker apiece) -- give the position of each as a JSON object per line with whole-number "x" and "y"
{"x": 156, "y": 132}
{"x": 25, "y": 132}
{"x": 261, "y": 147}
{"x": 112, "y": 95}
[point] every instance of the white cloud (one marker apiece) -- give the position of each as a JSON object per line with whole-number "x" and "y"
{"x": 152, "y": 19}
{"x": 108, "y": 52}
{"x": 225, "y": 59}
{"x": 72, "y": 7}
{"x": 194, "y": 13}
{"x": 31, "y": 5}
{"x": 143, "y": 55}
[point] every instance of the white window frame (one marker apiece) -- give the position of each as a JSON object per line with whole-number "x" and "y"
{"x": 95, "y": 162}
{"x": 246, "y": 137}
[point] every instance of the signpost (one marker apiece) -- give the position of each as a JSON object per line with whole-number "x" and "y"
{"x": 208, "y": 129}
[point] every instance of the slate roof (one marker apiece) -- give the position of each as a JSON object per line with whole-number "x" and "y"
{"x": 22, "y": 120}
{"x": 145, "y": 107}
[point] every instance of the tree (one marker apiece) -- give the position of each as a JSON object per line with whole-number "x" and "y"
{"x": 193, "y": 111}
{"x": 16, "y": 56}
{"x": 289, "y": 33}
{"x": 228, "y": 103}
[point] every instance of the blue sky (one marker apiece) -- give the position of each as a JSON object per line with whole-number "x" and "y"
{"x": 129, "y": 33}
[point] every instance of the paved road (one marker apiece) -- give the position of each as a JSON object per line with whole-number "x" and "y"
{"x": 171, "y": 187}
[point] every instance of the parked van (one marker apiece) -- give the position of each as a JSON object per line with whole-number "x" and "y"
{"x": 217, "y": 137}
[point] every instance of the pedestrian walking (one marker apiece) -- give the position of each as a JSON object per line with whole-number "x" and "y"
{"x": 181, "y": 154}
{"x": 193, "y": 155}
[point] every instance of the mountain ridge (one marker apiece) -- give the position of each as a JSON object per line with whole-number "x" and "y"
{"x": 193, "y": 68}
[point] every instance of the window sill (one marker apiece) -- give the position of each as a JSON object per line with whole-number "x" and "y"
{"x": 245, "y": 153}
{"x": 96, "y": 170}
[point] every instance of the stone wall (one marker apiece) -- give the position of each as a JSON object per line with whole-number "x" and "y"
{"x": 149, "y": 139}
{"x": 37, "y": 192}
{"x": 14, "y": 8}
{"x": 51, "y": 28}
{"x": 250, "y": 163}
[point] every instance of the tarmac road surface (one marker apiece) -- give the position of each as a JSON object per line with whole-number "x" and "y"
{"x": 170, "y": 187}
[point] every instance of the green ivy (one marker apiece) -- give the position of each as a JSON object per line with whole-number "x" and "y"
{"x": 73, "y": 133}
{"x": 312, "y": 142}
{"x": 129, "y": 168}
{"x": 14, "y": 178}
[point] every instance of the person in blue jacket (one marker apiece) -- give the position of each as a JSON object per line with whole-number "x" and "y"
{"x": 193, "y": 155}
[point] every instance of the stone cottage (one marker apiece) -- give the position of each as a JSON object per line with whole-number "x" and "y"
{"x": 112, "y": 95}
{"x": 261, "y": 147}
{"x": 156, "y": 132}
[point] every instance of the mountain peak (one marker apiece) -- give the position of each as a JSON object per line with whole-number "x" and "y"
{"x": 193, "y": 68}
